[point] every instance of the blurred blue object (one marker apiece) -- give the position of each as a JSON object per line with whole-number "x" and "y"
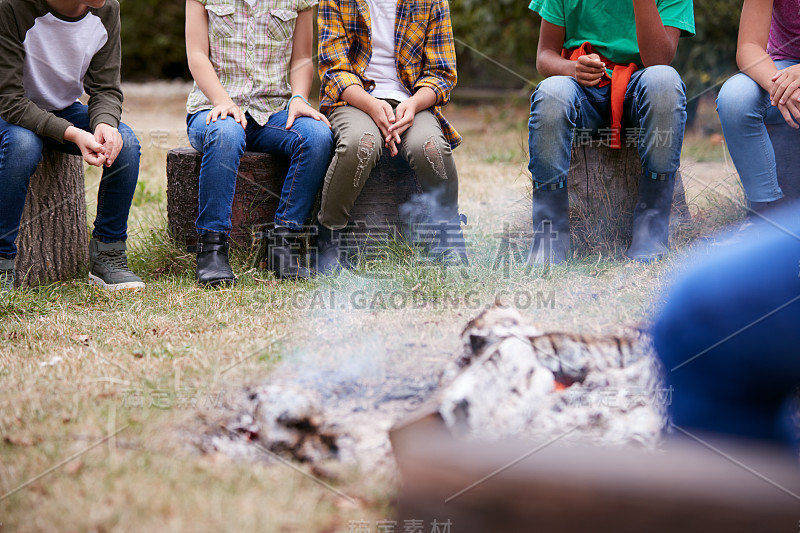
{"x": 786, "y": 144}
{"x": 729, "y": 332}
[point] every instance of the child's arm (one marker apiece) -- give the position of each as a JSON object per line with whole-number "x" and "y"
{"x": 335, "y": 70}
{"x": 102, "y": 84}
{"x": 587, "y": 70}
{"x": 439, "y": 55}
{"x": 439, "y": 73}
{"x": 753, "y": 60}
{"x": 657, "y": 43}
{"x": 15, "y": 107}
{"x": 197, "y": 50}
{"x": 751, "y": 49}
{"x": 301, "y": 69}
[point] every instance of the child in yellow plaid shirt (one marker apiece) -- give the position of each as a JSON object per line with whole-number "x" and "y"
{"x": 387, "y": 68}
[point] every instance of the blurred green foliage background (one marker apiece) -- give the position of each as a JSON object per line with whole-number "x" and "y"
{"x": 496, "y": 42}
{"x": 153, "y": 44}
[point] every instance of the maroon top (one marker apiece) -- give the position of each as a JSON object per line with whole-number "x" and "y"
{"x": 784, "y": 34}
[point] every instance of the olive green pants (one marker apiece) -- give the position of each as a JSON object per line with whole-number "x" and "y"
{"x": 359, "y": 145}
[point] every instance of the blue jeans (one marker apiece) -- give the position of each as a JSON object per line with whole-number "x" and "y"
{"x": 729, "y": 334}
{"x": 655, "y": 104}
{"x": 309, "y": 144}
{"x": 20, "y": 153}
{"x": 744, "y": 110}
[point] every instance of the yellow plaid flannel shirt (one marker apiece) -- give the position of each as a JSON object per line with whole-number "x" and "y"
{"x": 426, "y": 55}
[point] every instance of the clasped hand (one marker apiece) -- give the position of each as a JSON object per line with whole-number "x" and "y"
{"x": 785, "y": 94}
{"x": 589, "y": 70}
{"x": 99, "y": 149}
{"x": 393, "y": 122}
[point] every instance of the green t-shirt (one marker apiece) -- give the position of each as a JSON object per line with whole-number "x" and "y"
{"x": 610, "y": 24}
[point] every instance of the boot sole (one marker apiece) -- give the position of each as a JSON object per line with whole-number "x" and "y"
{"x": 295, "y": 277}
{"x": 128, "y": 286}
{"x": 217, "y": 282}
{"x": 534, "y": 260}
{"x": 646, "y": 258}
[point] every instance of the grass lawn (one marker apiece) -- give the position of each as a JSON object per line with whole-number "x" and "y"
{"x": 78, "y": 364}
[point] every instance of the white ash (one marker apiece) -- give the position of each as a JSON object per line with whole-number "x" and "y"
{"x": 505, "y": 382}
{"x": 514, "y": 380}
{"x": 315, "y": 412}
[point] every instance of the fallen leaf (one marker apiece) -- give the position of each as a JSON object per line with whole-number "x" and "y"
{"x": 20, "y": 440}
{"x": 81, "y": 339}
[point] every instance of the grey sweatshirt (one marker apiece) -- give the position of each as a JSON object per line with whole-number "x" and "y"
{"x": 47, "y": 60}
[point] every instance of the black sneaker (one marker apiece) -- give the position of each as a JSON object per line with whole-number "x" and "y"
{"x": 108, "y": 267}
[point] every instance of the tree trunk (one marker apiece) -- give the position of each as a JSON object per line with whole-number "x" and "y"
{"x": 258, "y": 189}
{"x": 53, "y": 237}
{"x": 390, "y": 200}
{"x": 603, "y": 185}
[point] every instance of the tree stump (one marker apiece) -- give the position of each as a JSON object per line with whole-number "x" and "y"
{"x": 258, "y": 188}
{"x": 603, "y": 187}
{"x": 785, "y": 141}
{"x": 53, "y": 241}
{"x": 258, "y": 191}
{"x": 390, "y": 202}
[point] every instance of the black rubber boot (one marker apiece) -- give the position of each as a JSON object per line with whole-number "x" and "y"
{"x": 449, "y": 246}
{"x": 283, "y": 255}
{"x": 213, "y": 267}
{"x": 550, "y": 225}
{"x": 651, "y": 218}
{"x": 329, "y": 256}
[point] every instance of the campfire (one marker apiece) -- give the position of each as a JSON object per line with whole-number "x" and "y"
{"x": 510, "y": 379}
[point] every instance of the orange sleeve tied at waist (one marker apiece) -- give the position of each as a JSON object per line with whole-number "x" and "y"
{"x": 620, "y": 77}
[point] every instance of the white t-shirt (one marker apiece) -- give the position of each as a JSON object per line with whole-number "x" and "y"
{"x": 382, "y": 68}
{"x": 57, "y": 57}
